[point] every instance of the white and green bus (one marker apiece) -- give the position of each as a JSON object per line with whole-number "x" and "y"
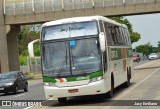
{"x": 84, "y": 56}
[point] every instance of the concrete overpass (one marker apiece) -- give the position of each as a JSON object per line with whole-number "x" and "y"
{"x": 14, "y": 13}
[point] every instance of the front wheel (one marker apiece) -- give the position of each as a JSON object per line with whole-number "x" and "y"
{"x": 26, "y": 88}
{"x": 62, "y": 100}
{"x": 16, "y": 90}
{"x": 110, "y": 93}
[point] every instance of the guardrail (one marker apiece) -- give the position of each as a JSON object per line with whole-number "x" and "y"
{"x": 18, "y": 7}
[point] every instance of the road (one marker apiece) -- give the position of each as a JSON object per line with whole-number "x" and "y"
{"x": 144, "y": 86}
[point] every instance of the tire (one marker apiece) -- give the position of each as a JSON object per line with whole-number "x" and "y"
{"x": 111, "y": 92}
{"x": 127, "y": 83}
{"x": 16, "y": 90}
{"x": 26, "y": 88}
{"x": 62, "y": 100}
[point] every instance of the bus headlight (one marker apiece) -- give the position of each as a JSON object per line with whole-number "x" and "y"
{"x": 49, "y": 84}
{"x": 96, "y": 79}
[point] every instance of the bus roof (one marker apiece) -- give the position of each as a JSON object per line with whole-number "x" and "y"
{"x": 82, "y": 19}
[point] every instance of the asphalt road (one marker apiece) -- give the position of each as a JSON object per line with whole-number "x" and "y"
{"x": 144, "y": 86}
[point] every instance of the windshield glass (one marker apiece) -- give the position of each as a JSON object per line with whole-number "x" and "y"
{"x": 72, "y": 57}
{"x": 55, "y": 59}
{"x": 10, "y": 75}
{"x": 85, "y": 56}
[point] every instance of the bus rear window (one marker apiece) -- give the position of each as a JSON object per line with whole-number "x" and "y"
{"x": 70, "y": 30}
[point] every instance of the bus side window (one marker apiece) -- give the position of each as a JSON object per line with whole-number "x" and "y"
{"x": 108, "y": 34}
{"x": 118, "y": 36}
{"x": 124, "y": 36}
{"x": 114, "y": 36}
{"x": 129, "y": 37}
{"x": 121, "y": 35}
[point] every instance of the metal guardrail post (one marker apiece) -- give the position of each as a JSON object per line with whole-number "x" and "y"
{"x": 93, "y": 3}
{"x": 62, "y": 5}
{"x": 43, "y": 5}
{"x": 103, "y": 3}
{"x": 24, "y": 7}
{"x": 113, "y": 2}
{"x": 52, "y": 6}
{"x": 83, "y": 4}
{"x": 4, "y": 6}
{"x": 14, "y": 4}
{"x": 33, "y": 6}
{"x": 73, "y": 4}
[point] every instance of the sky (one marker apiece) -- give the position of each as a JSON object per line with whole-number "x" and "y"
{"x": 148, "y": 26}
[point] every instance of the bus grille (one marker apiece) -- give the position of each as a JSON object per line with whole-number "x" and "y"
{"x": 74, "y": 83}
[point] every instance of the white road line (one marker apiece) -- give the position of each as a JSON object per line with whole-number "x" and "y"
{"x": 28, "y": 107}
{"x": 125, "y": 93}
{"x": 19, "y": 95}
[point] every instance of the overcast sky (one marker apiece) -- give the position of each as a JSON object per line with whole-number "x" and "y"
{"x": 148, "y": 26}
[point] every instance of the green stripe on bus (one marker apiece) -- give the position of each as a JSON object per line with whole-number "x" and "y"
{"x": 48, "y": 79}
{"x": 70, "y": 79}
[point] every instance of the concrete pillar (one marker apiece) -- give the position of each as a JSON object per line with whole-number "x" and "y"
{"x": 12, "y": 42}
{"x": 3, "y": 42}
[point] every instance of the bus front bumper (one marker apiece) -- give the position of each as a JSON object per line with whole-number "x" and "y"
{"x": 98, "y": 87}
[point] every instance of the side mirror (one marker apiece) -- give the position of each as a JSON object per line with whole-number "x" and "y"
{"x": 102, "y": 41}
{"x": 19, "y": 77}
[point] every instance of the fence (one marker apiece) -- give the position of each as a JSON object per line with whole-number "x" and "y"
{"x": 33, "y": 65}
{"x": 17, "y": 7}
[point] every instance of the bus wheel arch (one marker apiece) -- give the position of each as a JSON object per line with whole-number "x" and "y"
{"x": 111, "y": 92}
{"x": 127, "y": 83}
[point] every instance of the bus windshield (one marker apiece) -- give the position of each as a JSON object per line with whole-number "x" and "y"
{"x": 73, "y": 57}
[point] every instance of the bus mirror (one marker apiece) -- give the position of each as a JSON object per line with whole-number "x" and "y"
{"x": 102, "y": 41}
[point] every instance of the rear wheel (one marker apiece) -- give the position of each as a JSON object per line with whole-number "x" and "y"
{"x": 110, "y": 93}
{"x": 62, "y": 100}
{"x": 127, "y": 83}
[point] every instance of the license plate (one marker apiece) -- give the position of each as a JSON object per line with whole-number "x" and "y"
{"x": 1, "y": 88}
{"x": 73, "y": 90}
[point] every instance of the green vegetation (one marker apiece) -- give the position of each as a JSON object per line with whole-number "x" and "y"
{"x": 133, "y": 35}
{"x": 27, "y": 34}
{"x": 148, "y": 48}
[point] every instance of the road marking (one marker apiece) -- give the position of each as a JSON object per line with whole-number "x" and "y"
{"x": 28, "y": 107}
{"x": 126, "y": 92}
{"x": 19, "y": 95}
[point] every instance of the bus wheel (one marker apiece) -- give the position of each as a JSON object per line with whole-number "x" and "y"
{"x": 110, "y": 93}
{"x": 127, "y": 83}
{"x": 62, "y": 100}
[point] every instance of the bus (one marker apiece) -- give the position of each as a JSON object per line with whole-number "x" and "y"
{"x": 85, "y": 56}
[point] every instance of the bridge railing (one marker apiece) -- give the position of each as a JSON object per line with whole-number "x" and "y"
{"x": 20, "y": 7}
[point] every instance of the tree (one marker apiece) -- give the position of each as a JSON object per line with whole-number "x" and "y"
{"x": 145, "y": 49}
{"x": 27, "y": 34}
{"x": 133, "y": 35}
{"x": 158, "y": 46}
